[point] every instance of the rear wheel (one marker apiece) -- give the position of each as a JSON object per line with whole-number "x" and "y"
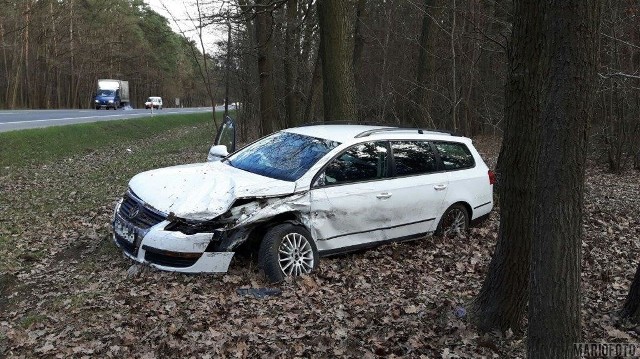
{"x": 454, "y": 221}
{"x": 287, "y": 250}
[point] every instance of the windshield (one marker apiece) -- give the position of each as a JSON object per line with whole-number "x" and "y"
{"x": 283, "y": 155}
{"x": 105, "y": 93}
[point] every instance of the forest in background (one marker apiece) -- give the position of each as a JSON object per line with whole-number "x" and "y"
{"x": 429, "y": 63}
{"x": 53, "y": 52}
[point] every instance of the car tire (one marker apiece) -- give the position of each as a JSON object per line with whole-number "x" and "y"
{"x": 287, "y": 250}
{"x": 97, "y": 107}
{"x": 454, "y": 221}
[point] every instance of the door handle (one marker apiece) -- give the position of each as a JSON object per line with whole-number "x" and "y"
{"x": 440, "y": 187}
{"x": 384, "y": 195}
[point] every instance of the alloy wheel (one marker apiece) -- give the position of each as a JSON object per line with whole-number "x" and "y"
{"x": 455, "y": 222}
{"x": 295, "y": 255}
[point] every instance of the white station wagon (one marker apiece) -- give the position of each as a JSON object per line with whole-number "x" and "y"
{"x": 303, "y": 193}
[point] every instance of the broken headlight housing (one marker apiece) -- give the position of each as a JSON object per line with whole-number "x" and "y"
{"x": 191, "y": 227}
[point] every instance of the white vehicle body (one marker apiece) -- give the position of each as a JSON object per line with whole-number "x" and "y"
{"x": 192, "y": 218}
{"x": 153, "y": 102}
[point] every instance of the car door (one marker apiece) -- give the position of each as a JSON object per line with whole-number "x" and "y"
{"x": 420, "y": 186}
{"x": 352, "y": 202}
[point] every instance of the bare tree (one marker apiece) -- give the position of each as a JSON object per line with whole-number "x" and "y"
{"x": 618, "y": 105}
{"x": 264, "y": 37}
{"x": 336, "y": 42}
{"x": 501, "y": 303}
{"x": 569, "y": 63}
{"x": 421, "y": 98}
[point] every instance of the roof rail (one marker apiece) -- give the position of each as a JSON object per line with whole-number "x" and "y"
{"x": 341, "y": 123}
{"x": 419, "y": 130}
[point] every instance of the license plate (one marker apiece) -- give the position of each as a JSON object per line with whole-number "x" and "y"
{"x": 124, "y": 231}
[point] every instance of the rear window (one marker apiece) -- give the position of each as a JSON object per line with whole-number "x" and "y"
{"x": 455, "y": 155}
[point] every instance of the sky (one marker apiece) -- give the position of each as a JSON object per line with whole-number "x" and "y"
{"x": 182, "y": 11}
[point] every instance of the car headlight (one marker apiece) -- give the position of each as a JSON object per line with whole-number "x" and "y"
{"x": 97, "y": 101}
{"x": 110, "y": 101}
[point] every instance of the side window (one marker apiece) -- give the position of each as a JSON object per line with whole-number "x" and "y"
{"x": 362, "y": 162}
{"x": 455, "y": 155}
{"x": 413, "y": 157}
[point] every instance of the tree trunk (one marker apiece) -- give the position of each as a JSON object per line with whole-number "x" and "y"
{"x": 70, "y": 98}
{"x": 421, "y": 115}
{"x": 205, "y": 66}
{"x": 336, "y": 42}
{"x": 5, "y": 66}
{"x": 631, "y": 309}
{"x": 292, "y": 48}
{"x": 454, "y": 86}
{"x": 227, "y": 70}
{"x": 570, "y": 55}
{"x": 27, "y": 65}
{"x": 264, "y": 36}
{"x": 358, "y": 38}
{"x": 314, "y": 90}
{"x": 501, "y": 303}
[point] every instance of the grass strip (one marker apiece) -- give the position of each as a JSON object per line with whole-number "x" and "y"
{"x": 43, "y": 145}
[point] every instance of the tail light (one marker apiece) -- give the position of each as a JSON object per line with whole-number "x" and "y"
{"x": 492, "y": 177}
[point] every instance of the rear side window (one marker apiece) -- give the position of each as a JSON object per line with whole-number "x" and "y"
{"x": 455, "y": 155}
{"x": 362, "y": 162}
{"x": 413, "y": 157}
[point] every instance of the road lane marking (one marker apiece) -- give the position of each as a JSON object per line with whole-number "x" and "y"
{"x": 68, "y": 118}
{"x": 132, "y": 114}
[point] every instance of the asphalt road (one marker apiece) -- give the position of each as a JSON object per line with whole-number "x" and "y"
{"x": 23, "y": 119}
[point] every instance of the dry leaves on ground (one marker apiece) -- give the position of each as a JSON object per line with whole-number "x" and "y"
{"x": 68, "y": 292}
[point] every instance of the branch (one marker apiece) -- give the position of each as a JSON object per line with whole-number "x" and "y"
{"x": 619, "y": 40}
{"x": 484, "y": 34}
{"x": 618, "y": 74}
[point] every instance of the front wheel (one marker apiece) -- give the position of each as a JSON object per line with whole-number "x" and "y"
{"x": 454, "y": 221}
{"x": 287, "y": 250}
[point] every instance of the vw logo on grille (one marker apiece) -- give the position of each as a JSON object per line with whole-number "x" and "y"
{"x": 133, "y": 211}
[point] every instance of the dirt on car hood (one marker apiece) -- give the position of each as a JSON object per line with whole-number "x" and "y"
{"x": 202, "y": 191}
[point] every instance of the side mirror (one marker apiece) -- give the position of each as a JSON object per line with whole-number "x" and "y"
{"x": 217, "y": 152}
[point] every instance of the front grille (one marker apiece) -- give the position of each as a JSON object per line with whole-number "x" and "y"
{"x": 126, "y": 246}
{"x": 170, "y": 259}
{"x": 136, "y": 213}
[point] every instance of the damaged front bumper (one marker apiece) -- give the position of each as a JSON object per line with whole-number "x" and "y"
{"x": 166, "y": 250}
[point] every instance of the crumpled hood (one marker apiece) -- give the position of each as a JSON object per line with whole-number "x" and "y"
{"x": 202, "y": 191}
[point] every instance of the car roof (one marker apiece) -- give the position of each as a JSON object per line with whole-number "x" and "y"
{"x": 354, "y": 133}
